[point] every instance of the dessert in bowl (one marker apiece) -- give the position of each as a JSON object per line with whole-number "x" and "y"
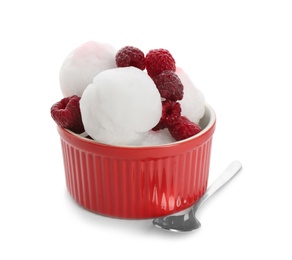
{"x": 135, "y": 179}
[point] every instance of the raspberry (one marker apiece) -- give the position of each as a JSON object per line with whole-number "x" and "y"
{"x": 159, "y": 60}
{"x": 66, "y": 114}
{"x": 170, "y": 114}
{"x": 169, "y": 85}
{"x": 130, "y": 56}
{"x": 183, "y": 129}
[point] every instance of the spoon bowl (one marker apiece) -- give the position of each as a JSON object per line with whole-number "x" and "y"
{"x": 188, "y": 221}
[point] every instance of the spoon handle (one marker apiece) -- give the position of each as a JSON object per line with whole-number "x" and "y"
{"x": 226, "y": 176}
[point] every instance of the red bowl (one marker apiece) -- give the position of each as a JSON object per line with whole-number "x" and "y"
{"x": 138, "y": 182}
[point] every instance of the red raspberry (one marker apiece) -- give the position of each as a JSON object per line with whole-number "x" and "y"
{"x": 183, "y": 129}
{"x": 169, "y": 85}
{"x": 159, "y": 60}
{"x": 170, "y": 114}
{"x": 66, "y": 114}
{"x": 130, "y": 56}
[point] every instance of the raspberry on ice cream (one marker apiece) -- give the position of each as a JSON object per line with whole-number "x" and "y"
{"x": 83, "y": 64}
{"x": 183, "y": 129}
{"x": 171, "y": 112}
{"x": 66, "y": 114}
{"x": 169, "y": 85}
{"x": 130, "y": 56}
{"x": 159, "y": 60}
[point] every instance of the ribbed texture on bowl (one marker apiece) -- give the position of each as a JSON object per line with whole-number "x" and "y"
{"x": 137, "y": 182}
{"x": 134, "y": 188}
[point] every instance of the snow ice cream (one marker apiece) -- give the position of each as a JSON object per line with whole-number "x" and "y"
{"x": 83, "y": 64}
{"x": 126, "y": 97}
{"x": 120, "y": 106}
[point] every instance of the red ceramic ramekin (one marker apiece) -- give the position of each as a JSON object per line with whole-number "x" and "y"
{"x": 138, "y": 182}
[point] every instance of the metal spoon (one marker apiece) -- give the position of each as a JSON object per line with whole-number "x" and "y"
{"x": 188, "y": 221}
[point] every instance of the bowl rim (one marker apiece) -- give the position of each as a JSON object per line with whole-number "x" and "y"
{"x": 210, "y": 127}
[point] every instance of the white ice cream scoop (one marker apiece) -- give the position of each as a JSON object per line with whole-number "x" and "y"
{"x": 193, "y": 102}
{"x": 83, "y": 64}
{"x": 120, "y": 106}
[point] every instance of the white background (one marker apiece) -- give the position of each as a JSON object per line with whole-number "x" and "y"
{"x": 239, "y": 53}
